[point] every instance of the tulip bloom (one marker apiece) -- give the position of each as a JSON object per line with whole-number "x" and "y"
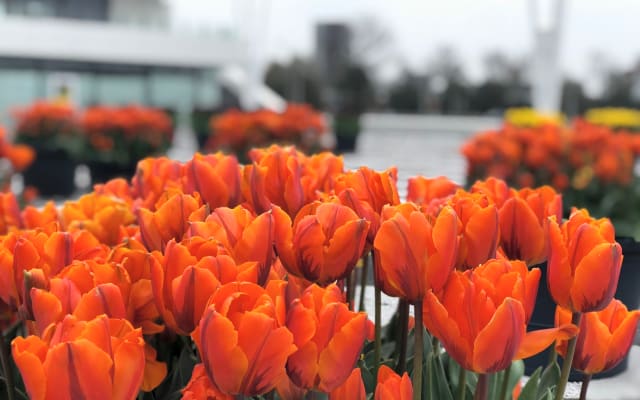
{"x": 276, "y": 177}
{"x": 480, "y": 229}
{"x": 481, "y": 316}
{"x": 245, "y": 237}
{"x": 182, "y": 284}
{"x": 422, "y": 190}
{"x": 522, "y": 223}
{"x": 170, "y": 221}
{"x": 216, "y": 177}
{"x": 351, "y": 389}
{"x": 324, "y": 243}
{"x": 104, "y": 216}
{"x": 99, "y": 359}
{"x": 412, "y": 254}
{"x": 604, "y": 339}
{"x": 329, "y": 338}
{"x": 584, "y": 262}
{"x": 392, "y": 386}
{"x": 243, "y": 347}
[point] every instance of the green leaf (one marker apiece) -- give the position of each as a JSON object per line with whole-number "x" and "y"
{"x": 549, "y": 379}
{"x": 530, "y": 389}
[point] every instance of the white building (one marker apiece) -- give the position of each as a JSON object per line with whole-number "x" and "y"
{"x": 107, "y": 52}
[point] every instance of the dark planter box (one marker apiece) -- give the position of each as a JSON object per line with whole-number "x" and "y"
{"x": 104, "y": 171}
{"x": 52, "y": 173}
{"x": 628, "y": 292}
{"x": 346, "y": 130}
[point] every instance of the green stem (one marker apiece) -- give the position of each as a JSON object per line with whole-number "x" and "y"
{"x": 403, "y": 310}
{"x": 505, "y": 384}
{"x": 462, "y": 384}
{"x": 6, "y": 368}
{"x": 585, "y": 386}
{"x": 553, "y": 354}
{"x": 363, "y": 280}
{"x": 417, "y": 360}
{"x": 568, "y": 360}
{"x": 482, "y": 387}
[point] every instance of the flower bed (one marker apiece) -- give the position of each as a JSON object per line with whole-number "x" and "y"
{"x": 213, "y": 279}
{"x": 237, "y": 131}
{"x": 592, "y": 165}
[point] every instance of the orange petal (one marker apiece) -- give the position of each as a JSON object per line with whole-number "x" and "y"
{"x": 536, "y": 341}
{"x": 351, "y": 389}
{"x": 497, "y": 344}
{"x": 29, "y": 354}
{"x": 596, "y": 278}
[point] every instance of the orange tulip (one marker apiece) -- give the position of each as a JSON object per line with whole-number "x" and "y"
{"x": 153, "y": 177}
{"x": 183, "y": 283}
{"x": 376, "y": 188}
{"x": 422, "y": 190}
{"x": 45, "y": 217}
{"x": 414, "y": 255}
{"x": 480, "y": 229}
{"x": 9, "y": 213}
{"x": 100, "y": 359}
{"x": 351, "y": 389}
{"x": 245, "y": 237}
{"x": 241, "y": 342}
{"x": 170, "y": 221}
{"x": 481, "y": 316}
{"x": 200, "y": 387}
{"x": 324, "y": 243}
{"x": 604, "y": 339}
{"x": 329, "y": 338}
{"x": 392, "y": 386}
{"x": 216, "y": 177}
{"x": 104, "y": 216}
{"x": 275, "y": 177}
{"x": 584, "y": 262}
{"x": 522, "y": 218}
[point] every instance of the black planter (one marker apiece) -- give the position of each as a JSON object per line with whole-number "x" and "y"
{"x": 346, "y": 129}
{"x": 104, "y": 171}
{"x": 52, "y": 173}
{"x": 628, "y": 292}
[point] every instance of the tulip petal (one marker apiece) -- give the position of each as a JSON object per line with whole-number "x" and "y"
{"x": 351, "y": 389}
{"x": 559, "y": 272}
{"x": 78, "y": 370}
{"x": 596, "y": 278}
{"x": 340, "y": 356}
{"x": 344, "y": 250}
{"x": 28, "y": 354}
{"x": 438, "y": 322}
{"x": 266, "y": 349}
{"x": 225, "y": 362}
{"x": 621, "y": 340}
{"x": 497, "y": 344}
{"x": 536, "y": 341}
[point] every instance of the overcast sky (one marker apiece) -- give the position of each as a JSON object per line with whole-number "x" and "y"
{"x": 418, "y": 27}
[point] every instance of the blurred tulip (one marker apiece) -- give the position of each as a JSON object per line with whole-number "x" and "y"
{"x": 100, "y": 359}
{"x": 422, "y": 190}
{"x": 584, "y": 262}
{"x": 351, "y": 389}
{"x": 324, "y": 243}
{"x": 9, "y": 213}
{"x": 329, "y": 338}
{"x": 604, "y": 339}
{"x": 103, "y": 216}
{"x": 392, "y": 386}
{"x": 482, "y": 314}
{"x": 242, "y": 346}
{"x": 414, "y": 255}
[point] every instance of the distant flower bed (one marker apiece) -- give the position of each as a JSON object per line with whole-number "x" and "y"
{"x": 238, "y": 131}
{"x": 592, "y": 165}
{"x": 125, "y": 135}
{"x": 211, "y": 279}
